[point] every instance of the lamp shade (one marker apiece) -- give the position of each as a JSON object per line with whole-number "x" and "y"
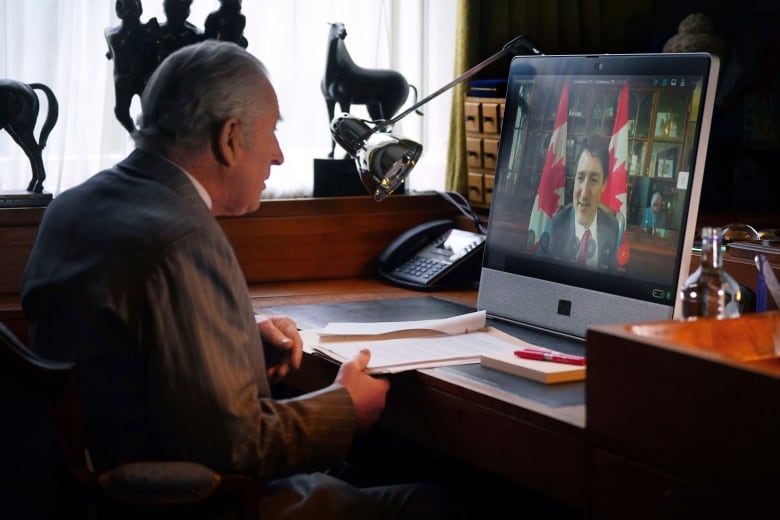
{"x": 383, "y": 160}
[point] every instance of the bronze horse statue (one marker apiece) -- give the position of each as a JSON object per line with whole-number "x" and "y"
{"x": 382, "y": 91}
{"x": 18, "y": 114}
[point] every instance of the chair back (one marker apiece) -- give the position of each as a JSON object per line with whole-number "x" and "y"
{"x": 44, "y": 470}
{"x": 42, "y": 438}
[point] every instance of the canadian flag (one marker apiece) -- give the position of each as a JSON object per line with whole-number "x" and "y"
{"x": 549, "y": 195}
{"x": 614, "y": 194}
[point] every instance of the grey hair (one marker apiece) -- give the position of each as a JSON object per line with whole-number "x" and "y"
{"x": 195, "y": 90}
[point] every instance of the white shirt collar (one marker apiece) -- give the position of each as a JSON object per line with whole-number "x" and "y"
{"x": 579, "y": 229}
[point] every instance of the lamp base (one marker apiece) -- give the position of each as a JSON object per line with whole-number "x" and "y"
{"x": 24, "y": 199}
{"x": 338, "y": 178}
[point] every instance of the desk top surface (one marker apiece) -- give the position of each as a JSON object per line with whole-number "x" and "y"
{"x": 563, "y": 402}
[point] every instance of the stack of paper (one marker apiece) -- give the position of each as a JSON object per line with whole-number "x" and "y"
{"x": 410, "y": 345}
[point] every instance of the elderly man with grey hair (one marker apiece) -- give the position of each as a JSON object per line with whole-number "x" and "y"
{"x": 133, "y": 279}
{"x": 654, "y": 216}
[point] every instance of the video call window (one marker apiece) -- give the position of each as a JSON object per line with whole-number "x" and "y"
{"x": 646, "y": 125}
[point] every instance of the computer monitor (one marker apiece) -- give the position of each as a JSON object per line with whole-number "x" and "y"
{"x": 585, "y": 143}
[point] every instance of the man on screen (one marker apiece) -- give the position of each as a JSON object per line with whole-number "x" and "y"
{"x": 584, "y": 232}
{"x": 654, "y": 217}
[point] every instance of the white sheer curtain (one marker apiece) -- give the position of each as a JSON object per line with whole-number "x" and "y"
{"x": 61, "y": 43}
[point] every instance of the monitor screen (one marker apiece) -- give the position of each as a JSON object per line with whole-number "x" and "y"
{"x": 596, "y": 187}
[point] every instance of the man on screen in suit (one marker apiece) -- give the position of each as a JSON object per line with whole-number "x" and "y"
{"x": 584, "y": 232}
{"x": 654, "y": 216}
{"x": 132, "y": 277}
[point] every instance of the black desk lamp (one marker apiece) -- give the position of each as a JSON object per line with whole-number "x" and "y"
{"x": 384, "y": 160}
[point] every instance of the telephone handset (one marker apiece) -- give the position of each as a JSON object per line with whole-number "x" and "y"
{"x": 431, "y": 256}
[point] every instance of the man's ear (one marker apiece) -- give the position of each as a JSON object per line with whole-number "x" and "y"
{"x": 228, "y": 142}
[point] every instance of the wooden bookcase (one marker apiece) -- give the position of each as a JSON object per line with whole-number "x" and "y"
{"x": 483, "y": 129}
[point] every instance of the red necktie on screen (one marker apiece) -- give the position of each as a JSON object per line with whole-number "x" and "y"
{"x": 582, "y": 255}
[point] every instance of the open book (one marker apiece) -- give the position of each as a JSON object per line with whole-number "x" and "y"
{"x": 409, "y": 345}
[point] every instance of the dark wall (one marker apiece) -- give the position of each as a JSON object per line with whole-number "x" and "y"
{"x": 742, "y": 170}
{"x": 744, "y": 149}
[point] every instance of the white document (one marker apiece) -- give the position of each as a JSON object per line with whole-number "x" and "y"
{"x": 399, "y": 346}
{"x": 454, "y": 325}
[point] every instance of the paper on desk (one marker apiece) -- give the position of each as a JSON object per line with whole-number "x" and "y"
{"x": 455, "y": 325}
{"x": 390, "y": 354}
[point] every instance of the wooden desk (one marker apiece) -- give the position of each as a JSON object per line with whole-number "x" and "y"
{"x": 529, "y": 433}
{"x": 683, "y": 419}
{"x": 324, "y": 251}
{"x": 652, "y": 255}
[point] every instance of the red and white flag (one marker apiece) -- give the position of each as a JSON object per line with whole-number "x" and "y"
{"x": 549, "y": 195}
{"x": 614, "y": 194}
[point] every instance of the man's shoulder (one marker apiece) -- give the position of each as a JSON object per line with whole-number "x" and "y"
{"x": 608, "y": 214}
{"x": 608, "y": 219}
{"x": 561, "y": 216}
{"x": 124, "y": 201}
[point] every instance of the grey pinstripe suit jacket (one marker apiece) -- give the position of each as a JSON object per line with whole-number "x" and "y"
{"x": 133, "y": 278}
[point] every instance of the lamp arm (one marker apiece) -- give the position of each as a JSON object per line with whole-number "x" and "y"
{"x": 513, "y": 46}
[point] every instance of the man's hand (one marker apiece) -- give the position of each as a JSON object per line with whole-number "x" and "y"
{"x": 368, "y": 393}
{"x": 282, "y": 346}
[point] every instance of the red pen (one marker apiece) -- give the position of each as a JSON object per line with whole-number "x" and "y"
{"x": 548, "y": 355}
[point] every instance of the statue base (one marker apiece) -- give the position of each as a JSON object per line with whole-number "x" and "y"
{"x": 336, "y": 178}
{"x": 24, "y": 199}
{"x": 339, "y": 178}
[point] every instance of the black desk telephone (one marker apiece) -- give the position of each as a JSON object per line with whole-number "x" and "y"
{"x": 432, "y": 256}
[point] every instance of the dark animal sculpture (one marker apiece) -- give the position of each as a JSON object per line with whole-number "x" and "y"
{"x": 382, "y": 91}
{"x": 19, "y": 107}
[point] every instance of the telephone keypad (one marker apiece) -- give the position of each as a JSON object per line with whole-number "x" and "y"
{"x": 421, "y": 268}
{"x": 425, "y": 258}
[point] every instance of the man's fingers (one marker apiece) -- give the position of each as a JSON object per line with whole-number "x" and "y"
{"x": 275, "y": 335}
{"x": 362, "y": 358}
